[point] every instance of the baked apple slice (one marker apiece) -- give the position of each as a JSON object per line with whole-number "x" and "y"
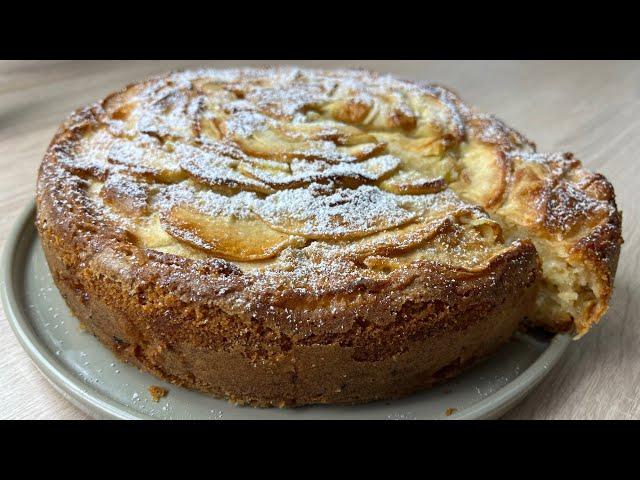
{"x": 233, "y": 238}
{"x": 393, "y": 111}
{"x": 433, "y": 144}
{"x": 353, "y": 109}
{"x": 276, "y": 146}
{"x": 320, "y": 212}
{"x": 440, "y": 233}
{"x": 338, "y": 133}
{"x": 173, "y": 113}
{"x": 398, "y": 241}
{"x": 303, "y": 172}
{"x": 412, "y": 183}
{"x": 88, "y": 159}
{"x": 483, "y": 174}
{"x": 264, "y": 137}
{"x": 146, "y": 157}
{"x": 214, "y": 166}
{"x": 126, "y": 195}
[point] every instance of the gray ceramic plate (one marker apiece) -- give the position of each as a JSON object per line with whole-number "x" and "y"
{"x": 87, "y": 374}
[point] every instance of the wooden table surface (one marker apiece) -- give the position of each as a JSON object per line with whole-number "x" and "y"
{"x": 589, "y": 108}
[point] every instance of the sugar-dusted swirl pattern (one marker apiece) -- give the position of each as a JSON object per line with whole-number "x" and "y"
{"x": 270, "y": 168}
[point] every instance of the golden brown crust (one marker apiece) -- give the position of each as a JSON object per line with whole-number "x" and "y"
{"x": 381, "y": 318}
{"x": 551, "y": 199}
{"x": 439, "y": 328}
{"x": 157, "y": 392}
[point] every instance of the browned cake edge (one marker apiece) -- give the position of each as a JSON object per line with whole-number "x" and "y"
{"x": 598, "y": 249}
{"x": 135, "y": 303}
{"x": 442, "y": 331}
{"x": 420, "y": 326}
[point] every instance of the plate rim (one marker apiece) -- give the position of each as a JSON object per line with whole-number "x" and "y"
{"x": 99, "y": 405}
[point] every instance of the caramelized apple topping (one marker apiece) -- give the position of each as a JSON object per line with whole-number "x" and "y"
{"x": 241, "y": 239}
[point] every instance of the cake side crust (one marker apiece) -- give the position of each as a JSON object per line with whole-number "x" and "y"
{"x": 345, "y": 370}
{"x": 386, "y": 329}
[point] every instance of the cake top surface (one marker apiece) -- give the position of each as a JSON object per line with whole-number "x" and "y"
{"x": 318, "y": 177}
{"x": 243, "y": 165}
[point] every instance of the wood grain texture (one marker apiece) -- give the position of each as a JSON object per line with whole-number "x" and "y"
{"x": 589, "y": 108}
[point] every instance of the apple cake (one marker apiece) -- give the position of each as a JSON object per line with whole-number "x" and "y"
{"x": 283, "y": 237}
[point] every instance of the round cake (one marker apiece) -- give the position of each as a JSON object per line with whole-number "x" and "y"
{"x": 283, "y": 237}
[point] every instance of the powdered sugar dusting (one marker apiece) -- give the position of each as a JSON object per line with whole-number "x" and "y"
{"x": 302, "y": 151}
{"x": 214, "y": 168}
{"x": 321, "y": 211}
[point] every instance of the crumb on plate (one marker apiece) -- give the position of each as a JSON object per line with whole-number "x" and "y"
{"x": 157, "y": 392}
